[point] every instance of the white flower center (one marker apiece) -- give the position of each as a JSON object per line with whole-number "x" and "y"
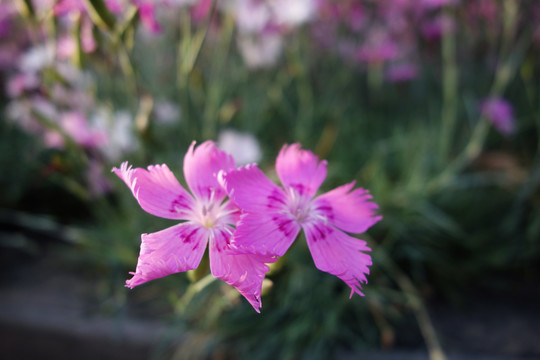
{"x": 299, "y": 205}
{"x": 209, "y": 212}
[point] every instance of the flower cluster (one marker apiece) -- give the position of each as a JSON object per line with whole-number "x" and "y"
{"x": 247, "y": 221}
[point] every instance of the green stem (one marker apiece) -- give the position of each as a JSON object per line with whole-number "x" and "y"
{"x": 415, "y": 301}
{"x": 305, "y": 96}
{"x": 450, "y": 91}
{"x": 192, "y": 290}
{"x": 216, "y": 86}
{"x": 189, "y": 48}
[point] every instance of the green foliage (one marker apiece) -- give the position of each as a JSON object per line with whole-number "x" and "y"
{"x": 452, "y": 217}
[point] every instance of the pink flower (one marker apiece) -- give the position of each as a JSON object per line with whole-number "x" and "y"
{"x": 147, "y": 15}
{"x": 402, "y": 72}
{"x": 273, "y": 216}
{"x": 76, "y": 125}
{"x": 500, "y": 113}
{"x": 208, "y": 220}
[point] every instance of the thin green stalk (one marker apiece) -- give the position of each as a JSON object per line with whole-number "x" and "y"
{"x": 506, "y": 69}
{"x": 305, "y": 111}
{"x": 189, "y": 48}
{"x": 415, "y": 301}
{"x": 450, "y": 90}
{"x": 216, "y": 85}
{"x": 375, "y": 78}
{"x": 192, "y": 290}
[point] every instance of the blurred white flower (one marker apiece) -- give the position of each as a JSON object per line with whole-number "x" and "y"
{"x": 260, "y": 51}
{"x": 121, "y": 132}
{"x": 166, "y": 112}
{"x": 243, "y": 147}
{"x": 252, "y": 16}
{"x": 293, "y": 12}
{"x": 36, "y": 58}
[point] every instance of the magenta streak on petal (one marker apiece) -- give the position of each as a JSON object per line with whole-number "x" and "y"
{"x": 179, "y": 202}
{"x": 189, "y": 237}
{"x": 283, "y": 225}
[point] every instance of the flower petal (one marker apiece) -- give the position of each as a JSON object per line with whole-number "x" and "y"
{"x": 351, "y": 211}
{"x": 264, "y": 233}
{"x": 300, "y": 169}
{"x": 176, "y": 249}
{"x": 243, "y": 271}
{"x": 339, "y": 254}
{"x": 148, "y": 17}
{"x": 252, "y": 191}
{"x": 157, "y": 190}
{"x": 201, "y": 166}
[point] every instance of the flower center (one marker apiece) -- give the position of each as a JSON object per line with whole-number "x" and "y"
{"x": 209, "y": 215}
{"x": 212, "y": 212}
{"x": 299, "y": 205}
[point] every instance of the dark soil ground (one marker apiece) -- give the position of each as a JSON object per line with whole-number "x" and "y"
{"x": 46, "y": 313}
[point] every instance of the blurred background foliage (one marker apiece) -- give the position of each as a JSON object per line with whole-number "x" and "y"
{"x": 431, "y": 105}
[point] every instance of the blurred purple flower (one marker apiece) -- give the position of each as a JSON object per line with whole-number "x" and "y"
{"x": 98, "y": 183}
{"x": 500, "y": 113}
{"x": 78, "y": 128}
{"x": 22, "y": 82}
{"x": 402, "y": 72}
{"x": 147, "y": 15}
{"x": 435, "y": 28}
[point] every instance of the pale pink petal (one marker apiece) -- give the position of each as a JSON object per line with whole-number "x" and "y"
{"x": 201, "y": 166}
{"x": 252, "y": 191}
{"x": 114, "y": 6}
{"x": 88, "y": 42}
{"x": 176, "y": 249}
{"x": 351, "y": 211}
{"x": 243, "y": 271}
{"x": 339, "y": 254}
{"x": 264, "y": 233}
{"x": 300, "y": 169}
{"x": 157, "y": 190}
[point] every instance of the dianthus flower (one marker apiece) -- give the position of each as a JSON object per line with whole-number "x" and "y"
{"x": 273, "y": 217}
{"x": 208, "y": 220}
{"x": 500, "y": 113}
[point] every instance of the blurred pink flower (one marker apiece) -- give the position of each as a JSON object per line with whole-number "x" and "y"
{"x": 9, "y": 54}
{"x": 435, "y": 28}
{"x": 500, "y": 113}
{"x": 53, "y": 139}
{"x": 147, "y": 15}
{"x": 7, "y": 15}
{"x": 63, "y": 7}
{"x": 273, "y": 217}
{"x": 379, "y": 47}
{"x": 88, "y": 43}
{"x": 66, "y": 46}
{"x": 97, "y": 181}
{"x": 402, "y": 72}
{"x": 209, "y": 220}
{"x": 22, "y": 82}
{"x": 200, "y": 10}
{"x": 78, "y": 128}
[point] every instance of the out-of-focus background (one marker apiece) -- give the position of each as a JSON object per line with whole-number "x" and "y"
{"x": 432, "y": 105}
